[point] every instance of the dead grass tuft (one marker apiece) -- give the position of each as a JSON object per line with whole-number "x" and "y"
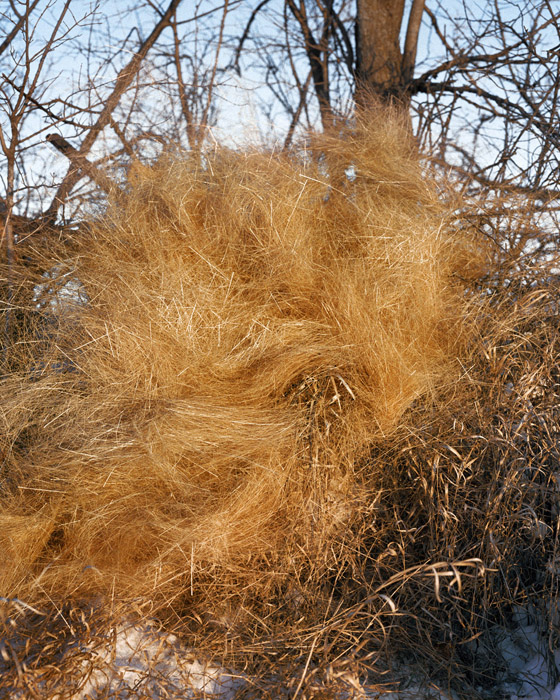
{"x": 270, "y": 407}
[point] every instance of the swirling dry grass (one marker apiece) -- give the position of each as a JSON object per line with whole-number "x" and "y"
{"x": 277, "y": 415}
{"x": 251, "y": 327}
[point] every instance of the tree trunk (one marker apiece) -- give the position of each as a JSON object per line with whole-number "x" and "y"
{"x": 379, "y": 57}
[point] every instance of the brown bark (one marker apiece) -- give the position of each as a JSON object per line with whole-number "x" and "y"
{"x": 411, "y": 41}
{"x": 379, "y": 60}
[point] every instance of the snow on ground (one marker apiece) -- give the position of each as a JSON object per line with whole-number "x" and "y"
{"x": 139, "y": 656}
{"x": 122, "y": 663}
{"x": 533, "y": 669}
{"x": 153, "y": 664}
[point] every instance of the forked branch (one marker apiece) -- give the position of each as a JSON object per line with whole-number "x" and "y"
{"x": 80, "y": 162}
{"x": 122, "y": 83}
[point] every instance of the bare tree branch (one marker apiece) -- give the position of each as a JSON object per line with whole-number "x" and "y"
{"x": 297, "y": 114}
{"x": 317, "y": 54}
{"x": 123, "y": 81}
{"x": 211, "y": 82}
{"x": 411, "y": 41}
{"x": 17, "y": 27}
{"x": 80, "y": 162}
{"x": 513, "y": 108}
{"x": 38, "y": 104}
{"x": 244, "y": 36}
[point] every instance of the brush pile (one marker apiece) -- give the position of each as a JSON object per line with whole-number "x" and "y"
{"x": 262, "y": 406}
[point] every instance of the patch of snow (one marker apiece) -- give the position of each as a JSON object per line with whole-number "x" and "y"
{"x": 532, "y": 669}
{"x": 139, "y": 656}
{"x": 140, "y": 660}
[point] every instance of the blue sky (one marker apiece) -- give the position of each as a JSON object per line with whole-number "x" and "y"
{"x": 99, "y": 38}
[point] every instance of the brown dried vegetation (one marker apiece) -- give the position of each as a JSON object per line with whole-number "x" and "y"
{"x": 279, "y": 416}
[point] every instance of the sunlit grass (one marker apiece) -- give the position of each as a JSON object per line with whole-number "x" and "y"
{"x": 289, "y": 425}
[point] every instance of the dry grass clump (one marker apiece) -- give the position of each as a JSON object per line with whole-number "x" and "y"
{"x": 251, "y": 326}
{"x": 270, "y": 408}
